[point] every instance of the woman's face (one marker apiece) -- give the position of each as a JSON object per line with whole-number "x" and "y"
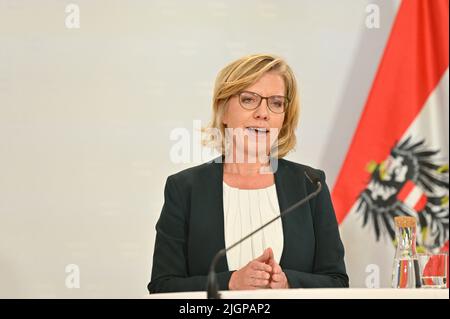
{"x": 254, "y": 131}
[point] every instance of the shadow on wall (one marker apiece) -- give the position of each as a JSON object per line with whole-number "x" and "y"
{"x": 359, "y": 83}
{"x": 365, "y": 65}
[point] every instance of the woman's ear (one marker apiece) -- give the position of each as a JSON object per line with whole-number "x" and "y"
{"x": 225, "y": 114}
{"x": 224, "y": 119}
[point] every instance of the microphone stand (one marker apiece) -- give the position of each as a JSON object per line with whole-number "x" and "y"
{"x": 212, "y": 285}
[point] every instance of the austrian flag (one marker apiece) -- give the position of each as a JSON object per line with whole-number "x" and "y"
{"x": 413, "y": 196}
{"x": 397, "y": 163}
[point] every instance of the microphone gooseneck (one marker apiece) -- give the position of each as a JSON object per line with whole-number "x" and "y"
{"x": 212, "y": 285}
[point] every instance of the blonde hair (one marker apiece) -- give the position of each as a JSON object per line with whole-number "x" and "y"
{"x": 239, "y": 75}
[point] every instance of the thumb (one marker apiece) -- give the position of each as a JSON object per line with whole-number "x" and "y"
{"x": 270, "y": 253}
{"x": 265, "y": 256}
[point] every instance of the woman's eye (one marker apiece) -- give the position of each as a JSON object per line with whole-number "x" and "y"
{"x": 248, "y": 100}
{"x": 277, "y": 104}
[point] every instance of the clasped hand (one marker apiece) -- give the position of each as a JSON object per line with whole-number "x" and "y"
{"x": 262, "y": 272}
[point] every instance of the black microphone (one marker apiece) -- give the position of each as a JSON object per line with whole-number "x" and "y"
{"x": 212, "y": 285}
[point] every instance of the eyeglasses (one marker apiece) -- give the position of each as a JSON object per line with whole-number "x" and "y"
{"x": 250, "y": 101}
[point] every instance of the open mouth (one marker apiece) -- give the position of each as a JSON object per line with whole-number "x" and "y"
{"x": 257, "y": 130}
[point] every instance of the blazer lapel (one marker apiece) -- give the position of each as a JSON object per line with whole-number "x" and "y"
{"x": 214, "y": 189}
{"x": 288, "y": 185}
{"x": 289, "y": 191}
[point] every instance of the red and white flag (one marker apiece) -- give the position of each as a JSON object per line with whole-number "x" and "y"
{"x": 397, "y": 163}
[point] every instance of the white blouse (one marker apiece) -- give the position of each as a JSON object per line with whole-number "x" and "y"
{"x": 244, "y": 211}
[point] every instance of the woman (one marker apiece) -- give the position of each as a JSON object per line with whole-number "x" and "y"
{"x": 213, "y": 205}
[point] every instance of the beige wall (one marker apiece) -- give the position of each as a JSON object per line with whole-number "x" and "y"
{"x": 86, "y": 114}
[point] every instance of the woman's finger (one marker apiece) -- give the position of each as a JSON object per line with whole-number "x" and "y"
{"x": 259, "y": 274}
{"x": 256, "y": 265}
{"x": 277, "y": 277}
{"x": 276, "y": 285}
{"x": 259, "y": 282}
{"x": 276, "y": 269}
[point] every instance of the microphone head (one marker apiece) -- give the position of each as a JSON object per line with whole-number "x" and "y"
{"x": 312, "y": 175}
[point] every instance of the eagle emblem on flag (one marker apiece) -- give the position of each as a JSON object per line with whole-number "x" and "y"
{"x": 412, "y": 181}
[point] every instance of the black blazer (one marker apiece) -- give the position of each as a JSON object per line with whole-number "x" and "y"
{"x": 190, "y": 231}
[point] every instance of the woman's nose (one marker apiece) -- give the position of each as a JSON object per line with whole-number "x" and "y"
{"x": 262, "y": 111}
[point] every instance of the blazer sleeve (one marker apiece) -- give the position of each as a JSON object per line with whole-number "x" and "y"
{"x": 170, "y": 272}
{"x": 329, "y": 267}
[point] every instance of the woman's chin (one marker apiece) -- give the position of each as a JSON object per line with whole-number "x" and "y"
{"x": 252, "y": 152}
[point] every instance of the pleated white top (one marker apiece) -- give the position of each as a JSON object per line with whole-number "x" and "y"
{"x": 244, "y": 211}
